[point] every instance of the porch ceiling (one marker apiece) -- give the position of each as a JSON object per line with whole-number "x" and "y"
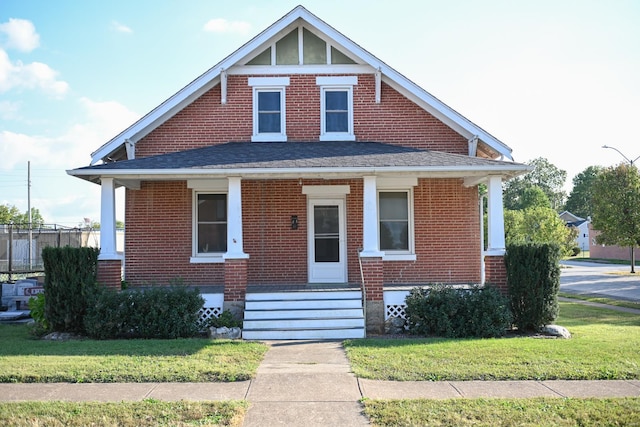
{"x": 301, "y": 159}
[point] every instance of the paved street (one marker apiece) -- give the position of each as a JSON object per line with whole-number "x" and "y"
{"x": 596, "y": 279}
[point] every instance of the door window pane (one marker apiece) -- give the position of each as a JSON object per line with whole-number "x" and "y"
{"x": 394, "y": 221}
{"x": 326, "y": 233}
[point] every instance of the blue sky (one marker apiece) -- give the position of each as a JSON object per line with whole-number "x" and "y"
{"x": 555, "y": 79}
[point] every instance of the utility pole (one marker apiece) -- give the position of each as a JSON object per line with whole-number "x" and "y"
{"x": 29, "y": 243}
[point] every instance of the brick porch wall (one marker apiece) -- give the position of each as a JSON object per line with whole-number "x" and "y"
{"x": 235, "y": 279}
{"x": 496, "y": 272}
{"x": 110, "y": 273}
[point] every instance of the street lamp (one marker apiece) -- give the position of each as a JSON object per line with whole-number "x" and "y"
{"x": 620, "y": 152}
{"x": 631, "y": 163}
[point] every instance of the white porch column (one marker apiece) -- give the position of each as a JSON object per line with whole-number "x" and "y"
{"x": 235, "y": 249}
{"x": 495, "y": 214}
{"x": 108, "y": 220}
{"x": 370, "y": 219}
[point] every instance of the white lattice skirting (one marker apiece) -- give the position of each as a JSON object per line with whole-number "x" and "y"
{"x": 394, "y": 304}
{"x": 212, "y": 307}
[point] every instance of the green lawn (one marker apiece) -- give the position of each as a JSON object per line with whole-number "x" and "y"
{"x": 605, "y": 345}
{"x": 602, "y": 300}
{"x": 505, "y": 412}
{"x": 26, "y": 359}
{"x": 124, "y": 414}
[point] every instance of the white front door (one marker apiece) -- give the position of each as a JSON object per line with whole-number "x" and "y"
{"x": 327, "y": 232}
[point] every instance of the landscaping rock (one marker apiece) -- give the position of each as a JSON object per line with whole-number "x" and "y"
{"x": 394, "y": 325}
{"x": 61, "y": 336}
{"x": 556, "y": 331}
{"x": 224, "y": 332}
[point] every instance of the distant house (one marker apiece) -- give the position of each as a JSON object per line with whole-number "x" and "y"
{"x": 294, "y": 175}
{"x": 582, "y": 225}
{"x": 608, "y": 251}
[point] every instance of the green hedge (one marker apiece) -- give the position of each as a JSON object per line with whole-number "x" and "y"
{"x": 445, "y": 311}
{"x": 70, "y": 279}
{"x": 533, "y": 282}
{"x": 158, "y": 312}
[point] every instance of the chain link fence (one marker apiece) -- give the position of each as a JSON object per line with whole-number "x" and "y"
{"x": 21, "y": 246}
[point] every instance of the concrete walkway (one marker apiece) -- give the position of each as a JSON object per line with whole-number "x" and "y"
{"x": 309, "y": 383}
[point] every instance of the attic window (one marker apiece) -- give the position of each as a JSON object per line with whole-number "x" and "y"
{"x": 300, "y": 46}
{"x": 287, "y": 49}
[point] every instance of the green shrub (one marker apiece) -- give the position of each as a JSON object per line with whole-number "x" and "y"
{"x": 70, "y": 279}
{"x": 533, "y": 282}
{"x": 575, "y": 251}
{"x": 36, "y": 306}
{"x": 224, "y": 319}
{"x": 158, "y": 312}
{"x": 456, "y": 313}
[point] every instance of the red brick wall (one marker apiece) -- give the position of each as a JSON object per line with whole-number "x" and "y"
{"x": 109, "y": 273}
{"x": 158, "y": 237}
{"x": 159, "y": 230}
{"x": 235, "y": 279}
{"x": 496, "y": 272}
{"x": 447, "y": 236}
{"x": 395, "y": 120}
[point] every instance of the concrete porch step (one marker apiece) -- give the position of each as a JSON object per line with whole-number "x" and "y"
{"x": 303, "y": 314}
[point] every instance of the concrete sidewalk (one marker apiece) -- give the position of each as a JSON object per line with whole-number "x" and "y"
{"x": 309, "y": 383}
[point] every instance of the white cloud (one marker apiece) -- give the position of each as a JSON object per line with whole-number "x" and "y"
{"x": 34, "y": 75}
{"x": 221, "y": 25}
{"x": 9, "y": 110}
{"x": 63, "y": 199}
{"x": 120, "y": 28}
{"x": 21, "y": 34}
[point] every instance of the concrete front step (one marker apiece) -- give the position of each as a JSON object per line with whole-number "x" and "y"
{"x": 320, "y": 323}
{"x": 326, "y": 334}
{"x": 303, "y": 304}
{"x": 302, "y": 313}
{"x": 303, "y": 295}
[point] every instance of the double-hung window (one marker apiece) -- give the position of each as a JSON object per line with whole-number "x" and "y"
{"x": 395, "y": 219}
{"x": 269, "y": 116}
{"x": 336, "y": 107}
{"x": 210, "y": 225}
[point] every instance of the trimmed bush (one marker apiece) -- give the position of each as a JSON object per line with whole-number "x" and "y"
{"x": 70, "y": 279}
{"x": 533, "y": 282}
{"x": 442, "y": 310}
{"x": 159, "y": 312}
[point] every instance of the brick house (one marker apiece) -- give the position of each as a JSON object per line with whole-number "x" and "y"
{"x": 300, "y": 172}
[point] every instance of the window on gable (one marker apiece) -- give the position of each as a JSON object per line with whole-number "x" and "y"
{"x": 210, "y": 224}
{"x": 395, "y": 221}
{"x": 269, "y": 111}
{"x": 314, "y": 49}
{"x": 336, "y": 108}
{"x": 269, "y": 118}
{"x": 287, "y": 49}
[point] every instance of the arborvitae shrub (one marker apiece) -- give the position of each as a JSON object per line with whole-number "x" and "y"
{"x": 70, "y": 279}
{"x": 445, "y": 311}
{"x": 533, "y": 282}
{"x": 157, "y": 312}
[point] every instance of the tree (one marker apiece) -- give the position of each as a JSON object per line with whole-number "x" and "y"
{"x": 538, "y": 224}
{"x": 546, "y": 176}
{"x": 580, "y": 199}
{"x": 10, "y": 213}
{"x": 96, "y": 225}
{"x": 616, "y": 207}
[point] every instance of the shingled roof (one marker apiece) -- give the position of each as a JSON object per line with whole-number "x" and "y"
{"x": 303, "y": 157}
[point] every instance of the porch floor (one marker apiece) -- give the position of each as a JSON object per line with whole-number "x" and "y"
{"x": 307, "y": 287}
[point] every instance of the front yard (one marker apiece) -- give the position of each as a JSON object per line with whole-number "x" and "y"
{"x": 605, "y": 345}
{"x": 26, "y": 359}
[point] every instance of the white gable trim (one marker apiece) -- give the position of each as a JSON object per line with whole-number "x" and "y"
{"x": 212, "y": 77}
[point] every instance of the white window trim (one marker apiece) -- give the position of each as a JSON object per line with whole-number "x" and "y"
{"x": 400, "y": 255}
{"x": 340, "y": 83}
{"x": 210, "y": 257}
{"x": 269, "y": 84}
